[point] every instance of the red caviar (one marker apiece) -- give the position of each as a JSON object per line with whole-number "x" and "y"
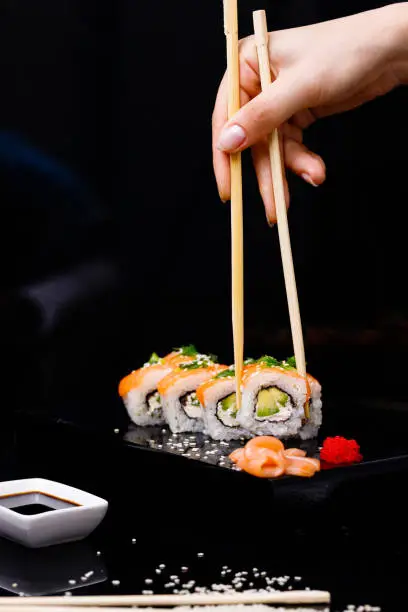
{"x": 340, "y": 451}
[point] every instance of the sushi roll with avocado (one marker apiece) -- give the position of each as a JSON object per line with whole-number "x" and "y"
{"x": 178, "y": 391}
{"x": 139, "y": 391}
{"x": 274, "y": 400}
{"x": 218, "y": 399}
{"x": 312, "y": 425}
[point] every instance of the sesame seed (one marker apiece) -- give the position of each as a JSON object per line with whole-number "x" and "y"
{"x": 200, "y": 554}
{"x": 148, "y": 581}
{"x": 147, "y": 592}
{"x": 14, "y": 585}
{"x": 133, "y": 540}
{"x": 116, "y": 431}
{"x": 116, "y": 582}
{"x": 72, "y": 581}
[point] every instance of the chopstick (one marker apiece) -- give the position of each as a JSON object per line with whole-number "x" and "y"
{"x": 237, "y": 258}
{"x": 277, "y": 168}
{"x": 61, "y": 603}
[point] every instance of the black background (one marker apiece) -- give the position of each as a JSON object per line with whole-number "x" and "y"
{"x": 105, "y": 160}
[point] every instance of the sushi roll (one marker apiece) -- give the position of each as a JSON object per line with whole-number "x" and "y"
{"x": 139, "y": 389}
{"x": 274, "y": 397}
{"x": 311, "y": 426}
{"x": 218, "y": 398}
{"x": 181, "y": 407}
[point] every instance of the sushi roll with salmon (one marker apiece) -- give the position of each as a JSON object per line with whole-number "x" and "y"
{"x": 274, "y": 400}
{"x": 182, "y": 409}
{"x": 139, "y": 389}
{"x": 218, "y": 399}
{"x": 312, "y": 425}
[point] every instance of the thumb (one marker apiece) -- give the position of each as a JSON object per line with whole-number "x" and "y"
{"x": 282, "y": 99}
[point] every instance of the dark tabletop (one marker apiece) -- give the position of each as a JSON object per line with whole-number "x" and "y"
{"x": 171, "y": 516}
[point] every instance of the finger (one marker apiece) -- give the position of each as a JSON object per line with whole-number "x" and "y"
{"x": 220, "y": 159}
{"x": 304, "y": 163}
{"x": 289, "y": 130}
{"x": 303, "y": 118}
{"x": 262, "y": 164}
{"x": 260, "y": 116}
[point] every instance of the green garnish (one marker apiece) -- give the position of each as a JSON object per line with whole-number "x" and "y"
{"x": 189, "y": 350}
{"x": 194, "y": 365}
{"x": 154, "y": 358}
{"x": 269, "y": 362}
{"x": 250, "y": 361}
{"x": 226, "y": 373}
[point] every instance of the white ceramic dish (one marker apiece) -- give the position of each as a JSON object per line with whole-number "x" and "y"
{"x": 72, "y": 515}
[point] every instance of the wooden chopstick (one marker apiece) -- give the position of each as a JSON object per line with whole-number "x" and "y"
{"x": 15, "y": 604}
{"x": 237, "y": 246}
{"x": 277, "y": 168}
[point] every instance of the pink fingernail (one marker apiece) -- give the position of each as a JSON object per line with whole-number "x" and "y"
{"x": 231, "y": 138}
{"x": 308, "y": 179}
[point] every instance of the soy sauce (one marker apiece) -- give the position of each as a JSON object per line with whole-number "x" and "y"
{"x": 37, "y": 502}
{"x": 31, "y": 509}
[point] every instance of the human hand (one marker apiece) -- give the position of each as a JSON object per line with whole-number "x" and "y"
{"x": 320, "y": 70}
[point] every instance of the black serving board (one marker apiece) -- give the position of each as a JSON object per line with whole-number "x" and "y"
{"x": 164, "y": 464}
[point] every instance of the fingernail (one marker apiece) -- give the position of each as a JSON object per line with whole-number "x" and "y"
{"x": 231, "y": 138}
{"x": 270, "y": 223}
{"x": 224, "y": 201}
{"x": 308, "y": 179}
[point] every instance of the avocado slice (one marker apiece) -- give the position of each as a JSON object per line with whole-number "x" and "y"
{"x": 270, "y": 401}
{"x": 230, "y": 403}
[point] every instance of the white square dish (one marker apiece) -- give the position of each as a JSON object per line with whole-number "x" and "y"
{"x": 36, "y": 512}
